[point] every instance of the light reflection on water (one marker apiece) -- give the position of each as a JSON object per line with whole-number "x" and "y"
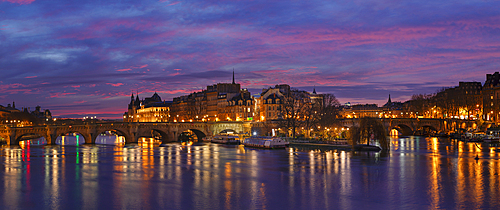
{"x": 418, "y": 173}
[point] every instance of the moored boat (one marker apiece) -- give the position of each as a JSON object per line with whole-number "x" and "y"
{"x": 492, "y": 135}
{"x": 265, "y": 142}
{"x": 225, "y": 139}
{"x": 473, "y": 137}
{"x": 365, "y": 147}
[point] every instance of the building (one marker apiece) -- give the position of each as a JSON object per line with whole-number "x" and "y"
{"x": 239, "y": 107}
{"x": 389, "y": 110}
{"x": 270, "y": 102}
{"x": 151, "y": 109}
{"x": 11, "y": 116}
{"x": 491, "y": 97}
{"x": 361, "y": 110}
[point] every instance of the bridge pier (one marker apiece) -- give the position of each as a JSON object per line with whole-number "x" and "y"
{"x": 12, "y": 137}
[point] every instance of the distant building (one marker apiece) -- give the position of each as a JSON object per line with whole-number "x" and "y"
{"x": 389, "y": 110}
{"x": 14, "y": 117}
{"x": 361, "y": 110}
{"x": 491, "y": 97}
{"x": 219, "y": 102}
{"x": 239, "y": 107}
{"x": 270, "y": 102}
{"x": 151, "y": 109}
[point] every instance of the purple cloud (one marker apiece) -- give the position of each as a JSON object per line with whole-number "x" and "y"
{"x": 58, "y": 52}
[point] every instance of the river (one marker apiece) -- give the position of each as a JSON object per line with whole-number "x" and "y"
{"x": 417, "y": 173}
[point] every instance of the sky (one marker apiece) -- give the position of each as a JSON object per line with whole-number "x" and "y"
{"x": 85, "y": 58}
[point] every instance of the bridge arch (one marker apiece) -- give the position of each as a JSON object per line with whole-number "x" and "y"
{"x": 25, "y": 136}
{"x": 227, "y": 131}
{"x": 426, "y": 130}
{"x": 86, "y": 136}
{"x": 119, "y": 132}
{"x": 199, "y": 134}
{"x": 404, "y": 129}
{"x": 152, "y": 133}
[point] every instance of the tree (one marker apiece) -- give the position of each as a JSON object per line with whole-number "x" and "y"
{"x": 329, "y": 110}
{"x": 292, "y": 109}
{"x": 369, "y": 129}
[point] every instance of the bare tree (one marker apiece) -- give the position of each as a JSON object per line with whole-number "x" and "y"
{"x": 329, "y": 110}
{"x": 292, "y": 109}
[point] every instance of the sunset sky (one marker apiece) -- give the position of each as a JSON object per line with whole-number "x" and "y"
{"x": 85, "y": 58}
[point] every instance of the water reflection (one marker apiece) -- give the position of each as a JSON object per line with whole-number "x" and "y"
{"x": 73, "y": 139}
{"x": 32, "y": 142}
{"x": 110, "y": 138}
{"x": 416, "y": 173}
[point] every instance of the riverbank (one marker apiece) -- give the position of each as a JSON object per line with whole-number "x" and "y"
{"x": 321, "y": 145}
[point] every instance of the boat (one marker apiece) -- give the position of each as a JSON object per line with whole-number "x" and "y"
{"x": 366, "y": 147}
{"x": 265, "y": 142}
{"x": 492, "y": 135}
{"x": 207, "y": 138}
{"x": 473, "y": 137}
{"x": 225, "y": 139}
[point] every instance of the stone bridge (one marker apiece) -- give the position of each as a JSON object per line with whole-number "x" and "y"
{"x": 409, "y": 126}
{"x": 169, "y": 132}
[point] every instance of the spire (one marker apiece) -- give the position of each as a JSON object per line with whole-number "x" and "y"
{"x": 14, "y": 104}
{"x": 233, "y": 76}
{"x": 389, "y": 101}
{"x": 314, "y": 90}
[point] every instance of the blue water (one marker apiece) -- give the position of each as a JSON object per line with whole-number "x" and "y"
{"x": 417, "y": 173}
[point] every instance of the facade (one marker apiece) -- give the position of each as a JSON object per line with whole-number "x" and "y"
{"x": 361, "y": 110}
{"x": 270, "y": 102}
{"x": 219, "y": 102}
{"x": 239, "y": 107}
{"x": 12, "y": 116}
{"x": 388, "y": 110}
{"x": 151, "y": 109}
{"x": 491, "y": 97}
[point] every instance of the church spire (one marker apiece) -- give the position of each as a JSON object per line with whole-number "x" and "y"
{"x": 233, "y": 76}
{"x": 389, "y": 101}
{"x": 314, "y": 90}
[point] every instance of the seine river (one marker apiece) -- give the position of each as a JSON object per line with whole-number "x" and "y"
{"x": 417, "y": 173}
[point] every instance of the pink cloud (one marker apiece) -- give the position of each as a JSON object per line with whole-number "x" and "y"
{"x": 174, "y": 74}
{"x": 79, "y": 102}
{"x": 123, "y": 69}
{"x": 19, "y": 1}
{"x": 115, "y": 85}
{"x": 29, "y": 77}
{"x": 59, "y": 95}
{"x": 143, "y": 66}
